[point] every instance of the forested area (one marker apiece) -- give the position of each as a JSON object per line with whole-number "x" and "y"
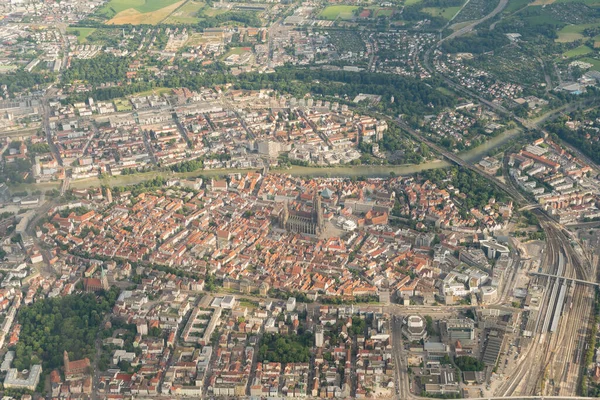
{"x": 101, "y": 69}
{"x": 17, "y": 171}
{"x": 242, "y": 17}
{"x": 291, "y": 348}
{"x": 53, "y": 325}
{"x": 21, "y": 80}
{"x": 466, "y": 363}
{"x": 410, "y": 96}
{"x": 481, "y": 42}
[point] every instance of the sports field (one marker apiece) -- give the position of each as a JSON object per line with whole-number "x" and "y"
{"x": 338, "y": 12}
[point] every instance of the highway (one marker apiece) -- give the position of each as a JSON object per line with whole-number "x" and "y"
{"x": 501, "y": 5}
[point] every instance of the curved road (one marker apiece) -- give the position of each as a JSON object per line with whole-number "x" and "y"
{"x": 501, "y": 5}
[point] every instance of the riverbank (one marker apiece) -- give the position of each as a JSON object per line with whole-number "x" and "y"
{"x": 369, "y": 171}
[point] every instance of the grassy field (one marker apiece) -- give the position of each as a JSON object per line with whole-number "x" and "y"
{"x": 83, "y": 33}
{"x": 134, "y": 17}
{"x": 445, "y": 91}
{"x": 446, "y": 13}
{"x": 577, "y": 52}
{"x": 7, "y": 68}
{"x": 189, "y": 13}
{"x": 211, "y": 12}
{"x": 122, "y": 105}
{"x": 338, "y": 12}
{"x": 410, "y": 2}
{"x": 571, "y": 33}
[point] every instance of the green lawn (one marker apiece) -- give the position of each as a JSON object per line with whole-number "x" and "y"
{"x": 122, "y": 105}
{"x": 114, "y": 7}
{"x": 83, "y": 33}
{"x": 411, "y": 2}
{"x": 338, "y": 12}
{"x": 577, "y": 52}
{"x": 446, "y": 13}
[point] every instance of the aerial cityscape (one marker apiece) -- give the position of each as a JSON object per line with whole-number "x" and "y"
{"x": 320, "y": 199}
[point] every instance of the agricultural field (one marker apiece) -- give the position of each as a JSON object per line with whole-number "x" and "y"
{"x": 82, "y": 34}
{"x": 134, "y": 17}
{"x": 577, "y": 52}
{"x": 114, "y": 7}
{"x": 594, "y": 61}
{"x": 514, "y": 5}
{"x": 189, "y": 13}
{"x": 594, "y": 3}
{"x": 572, "y": 33}
{"x": 136, "y": 12}
{"x": 446, "y": 13}
{"x": 411, "y": 2}
{"x": 338, "y": 12}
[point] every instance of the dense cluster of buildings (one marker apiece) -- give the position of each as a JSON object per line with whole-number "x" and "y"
{"x": 93, "y": 138}
{"x": 244, "y": 230}
{"x": 478, "y": 80}
{"x": 398, "y": 51}
{"x": 560, "y": 182}
{"x": 467, "y": 124}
